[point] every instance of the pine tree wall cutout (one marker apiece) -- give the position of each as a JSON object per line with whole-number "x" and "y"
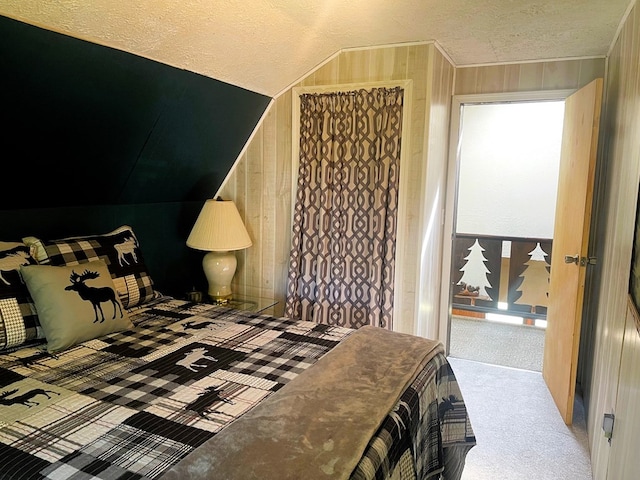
{"x": 474, "y": 281}
{"x": 535, "y": 280}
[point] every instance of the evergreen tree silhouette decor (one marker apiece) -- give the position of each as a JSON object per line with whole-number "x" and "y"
{"x": 474, "y": 277}
{"x": 535, "y": 280}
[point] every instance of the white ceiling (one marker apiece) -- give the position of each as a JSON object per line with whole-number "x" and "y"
{"x": 267, "y": 45}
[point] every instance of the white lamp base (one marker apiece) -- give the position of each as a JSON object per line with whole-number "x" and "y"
{"x": 219, "y": 268}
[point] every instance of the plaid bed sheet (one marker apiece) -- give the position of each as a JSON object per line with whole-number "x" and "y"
{"x": 133, "y": 404}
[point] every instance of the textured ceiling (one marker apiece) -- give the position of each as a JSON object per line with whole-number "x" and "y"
{"x": 266, "y": 45}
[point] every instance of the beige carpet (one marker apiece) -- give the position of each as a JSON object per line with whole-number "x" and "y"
{"x": 520, "y": 434}
{"x": 517, "y": 346}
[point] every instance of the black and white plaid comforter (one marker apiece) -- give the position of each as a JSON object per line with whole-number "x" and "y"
{"x": 133, "y": 404}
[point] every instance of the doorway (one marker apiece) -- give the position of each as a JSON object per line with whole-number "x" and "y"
{"x": 566, "y": 291}
{"x": 505, "y": 183}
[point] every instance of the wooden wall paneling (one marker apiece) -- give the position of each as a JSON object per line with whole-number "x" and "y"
{"x": 466, "y": 80}
{"x": 530, "y": 76}
{"x": 235, "y": 189}
{"x": 353, "y": 66}
{"x": 253, "y": 205}
{"x": 606, "y": 356}
{"x": 624, "y": 462}
{"x": 308, "y": 81}
{"x": 622, "y": 154}
{"x": 631, "y": 72}
{"x": 325, "y": 75}
{"x": 436, "y": 143}
{"x": 417, "y": 71}
{"x": 240, "y": 185}
{"x": 561, "y": 74}
{"x": 382, "y": 63}
{"x": 552, "y": 75}
{"x": 242, "y": 276}
{"x": 284, "y": 203}
{"x": 512, "y": 78}
{"x": 268, "y": 204}
{"x": 412, "y": 174}
{"x": 590, "y": 68}
{"x": 400, "y": 63}
{"x": 491, "y": 80}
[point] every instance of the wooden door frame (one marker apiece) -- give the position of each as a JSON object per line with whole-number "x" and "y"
{"x": 457, "y": 102}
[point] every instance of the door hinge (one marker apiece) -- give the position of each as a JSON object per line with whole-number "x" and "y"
{"x": 572, "y": 259}
{"x": 584, "y": 261}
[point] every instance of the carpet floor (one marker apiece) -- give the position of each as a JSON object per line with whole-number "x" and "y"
{"x": 519, "y": 432}
{"x": 517, "y": 346}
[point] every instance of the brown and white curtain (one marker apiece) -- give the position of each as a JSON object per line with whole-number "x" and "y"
{"x": 344, "y": 226}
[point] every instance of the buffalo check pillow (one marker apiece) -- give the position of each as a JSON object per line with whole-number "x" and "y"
{"x": 19, "y": 322}
{"x": 119, "y": 249}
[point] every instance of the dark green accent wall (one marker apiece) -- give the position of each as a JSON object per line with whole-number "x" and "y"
{"x": 94, "y": 138}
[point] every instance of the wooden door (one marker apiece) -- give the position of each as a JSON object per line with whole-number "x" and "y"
{"x": 571, "y": 239}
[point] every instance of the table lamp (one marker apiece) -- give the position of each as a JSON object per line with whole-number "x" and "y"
{"x": 219, "y": 231}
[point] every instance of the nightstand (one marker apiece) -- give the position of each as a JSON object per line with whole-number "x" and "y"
{"x": 251, "y": 304}
{"x": 240, "y": 302}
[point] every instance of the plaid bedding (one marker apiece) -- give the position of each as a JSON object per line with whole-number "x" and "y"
{"x": 133, "y": 404}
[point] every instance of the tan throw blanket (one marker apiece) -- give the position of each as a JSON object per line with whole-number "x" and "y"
{"x": 319, "y": 424}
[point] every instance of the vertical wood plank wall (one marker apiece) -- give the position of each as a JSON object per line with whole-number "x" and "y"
{"x": 528, "y": 77}
{"x": 261, "y": 181}
{"x": 623, "y": 460}
{"x": 614, "y": 385}
{"x": 260, "y": 185}
{"x": 433, "y": 204}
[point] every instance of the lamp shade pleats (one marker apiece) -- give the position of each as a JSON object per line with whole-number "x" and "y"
{"x": 218, "y": 228}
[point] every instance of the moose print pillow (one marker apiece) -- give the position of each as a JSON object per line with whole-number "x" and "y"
{"x": 75, "y": 303}
{"x": 119, "y": 249}
{"x": 19, "y": 323}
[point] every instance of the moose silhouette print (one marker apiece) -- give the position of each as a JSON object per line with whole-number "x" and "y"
{"x": 210, "y": 396}
{"x": 95, "y": 295}
{"x": 25, "y": 399}
{"x": 127, "y": 247}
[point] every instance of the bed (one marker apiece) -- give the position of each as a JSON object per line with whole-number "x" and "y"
{"x": 148, "y": 386}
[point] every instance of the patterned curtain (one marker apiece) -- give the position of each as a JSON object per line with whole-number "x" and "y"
{"x": 344, "y": 227}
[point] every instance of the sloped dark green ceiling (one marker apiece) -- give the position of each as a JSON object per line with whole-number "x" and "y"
{"x": 93, "y": 138}
{"x": 84, "y": 124}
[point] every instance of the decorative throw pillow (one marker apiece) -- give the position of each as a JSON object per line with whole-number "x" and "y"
{"x": 119, "y": 249}
{"x": 18, "y": 319}
{"x": 75, "y": 303}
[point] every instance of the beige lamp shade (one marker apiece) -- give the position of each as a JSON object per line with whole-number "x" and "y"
{"x": 219, "y": 228}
